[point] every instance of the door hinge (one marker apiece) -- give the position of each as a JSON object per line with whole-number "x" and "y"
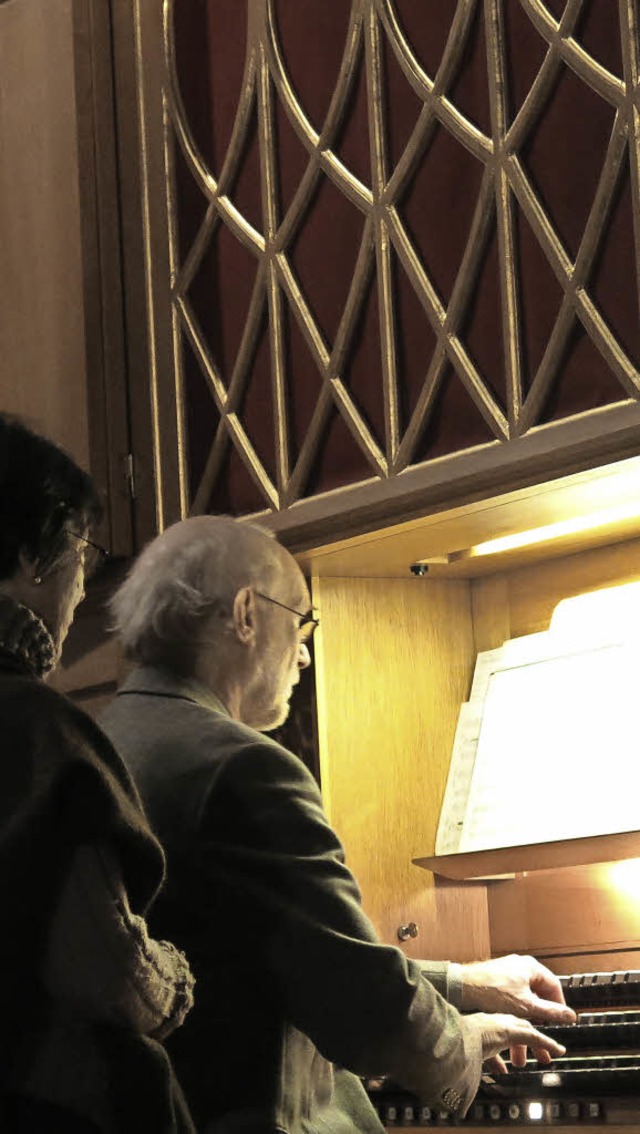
{"x": 129, "y": 475}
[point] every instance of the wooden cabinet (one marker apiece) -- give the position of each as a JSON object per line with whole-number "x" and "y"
{"x": 394, "y": 661}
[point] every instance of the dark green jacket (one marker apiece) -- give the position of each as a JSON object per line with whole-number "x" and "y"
{"x": 291, "y": 981}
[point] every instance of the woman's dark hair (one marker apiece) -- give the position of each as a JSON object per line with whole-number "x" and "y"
{"x": 43, "y": 496}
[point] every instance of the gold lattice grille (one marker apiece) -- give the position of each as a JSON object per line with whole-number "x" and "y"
{"x": 505, "y": 188}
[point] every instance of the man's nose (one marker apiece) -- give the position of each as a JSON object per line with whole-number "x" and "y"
{"x": 304, "y": 657}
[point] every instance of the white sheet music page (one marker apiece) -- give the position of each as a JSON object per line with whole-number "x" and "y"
{"x": 546, "y": 748}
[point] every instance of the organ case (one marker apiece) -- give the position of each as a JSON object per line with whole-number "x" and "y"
{"x": 394, "y": 661}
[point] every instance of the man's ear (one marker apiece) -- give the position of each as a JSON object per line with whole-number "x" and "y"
{"x": 244, "y": 615}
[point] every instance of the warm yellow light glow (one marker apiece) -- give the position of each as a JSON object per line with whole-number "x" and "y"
{"x": 557, "y": 530}
{"x": 535, "y": 1111}
{"x": 612, "y": 613}
{"x": 625, "y": 877}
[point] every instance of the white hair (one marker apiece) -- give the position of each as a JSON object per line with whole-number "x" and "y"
{"x": 191, "y": 571}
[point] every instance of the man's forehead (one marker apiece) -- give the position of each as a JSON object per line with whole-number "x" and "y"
{"x": 296, "y": 584}
{"x": 301, "y": 595}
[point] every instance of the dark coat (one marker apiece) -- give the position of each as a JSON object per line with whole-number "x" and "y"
{"x": 62, "y": 787}
{"x": 290, "y": 977}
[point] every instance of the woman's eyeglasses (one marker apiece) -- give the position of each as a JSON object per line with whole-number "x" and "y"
{"x": 307, "y": 623}
{"x": 95, "y": 555}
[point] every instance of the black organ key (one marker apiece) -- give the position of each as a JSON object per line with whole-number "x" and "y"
{"x": 589, "y": 1075}
{"x": 599, "y": 1030}
{"x": 592, "y": 989}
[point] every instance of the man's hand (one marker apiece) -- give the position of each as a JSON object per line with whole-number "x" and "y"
{"x": 522, "y": 987}
{"x": 499, "y": 1032}
{"x": 518, "y": 985}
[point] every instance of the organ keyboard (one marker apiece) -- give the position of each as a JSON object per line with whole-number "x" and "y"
{"x": 596, "y": 1083}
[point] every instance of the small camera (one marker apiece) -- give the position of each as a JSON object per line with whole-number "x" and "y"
{"x": 419, "y": 569}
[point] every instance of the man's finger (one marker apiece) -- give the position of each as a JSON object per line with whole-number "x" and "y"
{"x": 540, "y": 1043}
{"x": 518, "y": 1053}
{"x": 541, "y": 1054}
{"x": 548, "y": 1012}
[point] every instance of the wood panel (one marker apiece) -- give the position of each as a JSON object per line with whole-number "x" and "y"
{"x": 61, "y": 321}
{"x": 509, "y": 604}
{"x": 585, "y": 909}
{"x": 535, "y": 591}
{"x": 42, "y": 333}
{"x": 156, "y": 427}
{"x": 104, "y": 329}
{"x": 622, "y": 960}
{"x": 393, "y": 662}
{"x": 585, "y": 511}
{"x": 506, "y": 862}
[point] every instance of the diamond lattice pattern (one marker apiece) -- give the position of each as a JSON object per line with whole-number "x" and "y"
{"x": 472, "y": 190}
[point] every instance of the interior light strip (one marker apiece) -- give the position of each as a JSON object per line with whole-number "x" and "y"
{"x": 554, "y": 531}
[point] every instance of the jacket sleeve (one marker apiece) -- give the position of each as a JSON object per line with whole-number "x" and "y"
{"x": 100, "y": 960}
{"x": 366, "y": 1007}
{"x": 446, "y": 976}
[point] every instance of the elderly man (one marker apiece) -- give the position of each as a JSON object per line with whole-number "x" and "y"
{"x": 295, "y": 996}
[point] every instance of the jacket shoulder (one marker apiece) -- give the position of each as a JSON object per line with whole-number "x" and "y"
{"x": 61, "y": 765}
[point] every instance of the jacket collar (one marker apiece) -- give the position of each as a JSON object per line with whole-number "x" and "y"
{"x": 162, "y": 683}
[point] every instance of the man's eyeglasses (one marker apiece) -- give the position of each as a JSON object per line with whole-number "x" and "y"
{"x": 95, "y": 556}
{"x": 307, "y": 623}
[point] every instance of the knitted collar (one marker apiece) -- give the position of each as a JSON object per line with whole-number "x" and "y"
{"x": 25, "y": 638}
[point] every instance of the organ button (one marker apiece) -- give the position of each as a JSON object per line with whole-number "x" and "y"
{"x": 495, "y": 1112}
{"x": 554, "y": 1111}
{"x": 514, "y": 1111}
{"x": 573, "y": 1110}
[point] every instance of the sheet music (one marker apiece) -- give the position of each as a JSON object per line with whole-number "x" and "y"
{"x": 456, "y": 797}
{"x": 546, "y": 748}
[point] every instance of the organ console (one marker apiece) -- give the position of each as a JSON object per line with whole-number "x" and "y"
{"x": 596, "y": 1083}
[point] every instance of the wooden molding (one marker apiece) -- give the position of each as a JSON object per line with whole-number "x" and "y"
{"x": 507, "y": 861}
